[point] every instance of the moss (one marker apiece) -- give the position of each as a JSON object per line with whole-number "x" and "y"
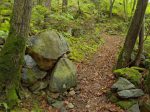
{"x": 113, "y": 99}
{"x": 130, "y": 73}
{"x": 11, "y": 60}
{"x": 12, "y": 97}
{"x": 147, "y": 83}
{"x": 126, "y": 104}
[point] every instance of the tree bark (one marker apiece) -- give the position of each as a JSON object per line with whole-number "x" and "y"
{"x": 11, "y": 56}
{"x": 125, "y": 55}
{"x": 111, "y": 7}
{"x": 133, "y": 7}
{"x": 64, "y": 5}
{"x": 48, "y": 4}
{"x": 140, "y": 46}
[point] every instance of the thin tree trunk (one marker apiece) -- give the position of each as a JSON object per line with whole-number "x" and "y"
{"x": 140, "y": 46}
{"x": 125, "y": 9}
{"x": 48, "y": 4}
{"x": 64, "y": 5}
{"x": 125, "y": 55}
{"x": 133, "y": 8}
{"x": 111, "y": 7}
{"x": 11, "y": 56}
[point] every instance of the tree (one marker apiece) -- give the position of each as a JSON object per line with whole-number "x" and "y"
{"x": 135, "y": 27}
{"x": 48, "y": 4}
{"x": 11, "y": 56}
{"x": 111, "y": 7}
{"x": 64, "y": 5}
{"x": 140, "y": 46}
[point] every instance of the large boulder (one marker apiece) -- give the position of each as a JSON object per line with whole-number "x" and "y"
{"x": 46, "y": 48}
{"x": 63, "y": 76}
{"x": 122, "y": 84}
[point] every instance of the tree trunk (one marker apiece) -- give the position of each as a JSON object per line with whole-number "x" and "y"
{"x": 64, "y": 5}
{"x": 125, "y": 55}
{"x": 140, "y": 46}
{"x": 133, "y": 8}
{"x": 125, "y": 9}
{"x": 48, "y": 4}
{"x": 111, "y": 7}
{"x": 11, "y": 56}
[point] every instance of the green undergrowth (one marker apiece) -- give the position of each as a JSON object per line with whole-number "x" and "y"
{"x": 82, "y": 47}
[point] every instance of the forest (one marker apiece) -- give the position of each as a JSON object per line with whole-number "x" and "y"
{"x": 74, "y": 56}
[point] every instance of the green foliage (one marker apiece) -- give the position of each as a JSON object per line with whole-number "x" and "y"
{"x": 38, "y": 18}
{"x": 126, "y": 104}
{"x": 80, "y": 51}
{"x": 130, "y": 73}
{"x": 147, "y": 45}
{"x": 3, "y": 34}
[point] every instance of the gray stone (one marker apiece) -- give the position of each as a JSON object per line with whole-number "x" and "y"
{"x": 58, "y": 104}
{"x": 29, "y": 61}
{"x": 38, "y": 86}
{"x": 72, "y": 92}
{"x": 63, "y": 76}
{"x": 132, "y": 93}
{"x": 134, "y": 108}
{"x": 47, "y": 48}
{"x": 31, "y": 75}
{"x": 122, "y": 84}
{"x": 70, "y": 106}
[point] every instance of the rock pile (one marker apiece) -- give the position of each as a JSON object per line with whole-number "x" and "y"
{"x": 46, "y": 64}
{"x": 125, "y": 91}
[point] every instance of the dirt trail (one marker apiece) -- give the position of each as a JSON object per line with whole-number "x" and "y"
{"x": 95, "y": 78}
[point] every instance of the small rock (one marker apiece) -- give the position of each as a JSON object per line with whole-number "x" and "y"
{"x": 72, "y": 92}
{"x": 29, "y": 61}
{"x": 122, "y": 84}
{"x": 132, "y": 93}
{"x": 134, "y": 108}
{"x": 58, "y": 104}
{"x": 50, "y": 100}
{"x": 54, "y": 95}
{"x": 31, "y": 75}
{"x": 87, "y": 106}
{"x": 38, "y": 86}
{"x": 70, "y": 106}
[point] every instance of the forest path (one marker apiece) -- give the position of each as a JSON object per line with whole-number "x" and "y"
{"x": 95, "y": 77}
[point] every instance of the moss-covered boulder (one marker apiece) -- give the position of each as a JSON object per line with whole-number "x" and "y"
{"x": 129, "y": 73}
{"x": 46, "y": 48}
{"x": 63, "y": 76}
